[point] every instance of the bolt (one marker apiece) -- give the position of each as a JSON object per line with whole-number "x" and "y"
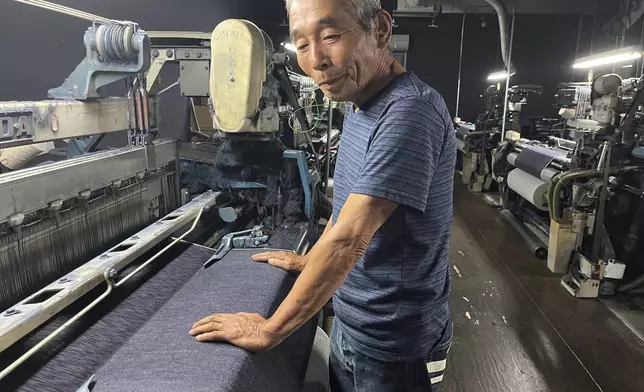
{"x": 155, "y": 53}
{"x": 183, "y": 67}
{"x": 198, "y": 55}
{"x": 111, "y": 273}
{"x": 256, "y": 243}
{"x": 11, "y": 312}
{"x": 232, "y": 80}
{"x": 63, "y": 280}
{"x": 187, "y": 55}
{"x": 168, "y": 53}
{"x": 206, "y": 67}
{"x": 105, "y": 256}
{"x": 135, "y": 237}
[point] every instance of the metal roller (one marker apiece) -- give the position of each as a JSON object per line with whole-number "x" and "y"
{"x": 534, "y": 244}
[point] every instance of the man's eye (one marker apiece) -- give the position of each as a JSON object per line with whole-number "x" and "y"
{"x": 332, "y": 37}
{"x": 302, "y": 48}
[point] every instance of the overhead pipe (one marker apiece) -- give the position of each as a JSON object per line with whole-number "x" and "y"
{"x": 502, "y": 13}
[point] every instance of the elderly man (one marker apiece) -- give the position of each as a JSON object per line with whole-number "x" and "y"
{"x": 383, "y": 255}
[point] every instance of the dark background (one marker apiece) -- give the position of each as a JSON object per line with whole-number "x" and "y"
{"x": 41, "y": 48}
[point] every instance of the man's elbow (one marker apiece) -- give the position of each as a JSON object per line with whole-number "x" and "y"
{"x": 351, "y": 246}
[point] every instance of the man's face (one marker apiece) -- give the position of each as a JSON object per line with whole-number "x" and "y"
{"x": 332, "y": 47}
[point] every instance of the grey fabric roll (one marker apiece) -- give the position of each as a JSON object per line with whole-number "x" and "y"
{"x": 162, "y": 356}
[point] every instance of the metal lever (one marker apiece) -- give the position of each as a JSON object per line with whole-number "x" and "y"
{"x": 252, "y": 238}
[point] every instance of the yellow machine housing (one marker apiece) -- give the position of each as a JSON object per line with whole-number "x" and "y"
{"x": 240, "y": 55}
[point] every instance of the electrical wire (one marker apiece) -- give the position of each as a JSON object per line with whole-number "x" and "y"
{"x": 317, "y": 120}
{"x": 64, "y": 10}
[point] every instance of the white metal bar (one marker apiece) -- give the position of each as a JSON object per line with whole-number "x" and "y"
{"x": 24, "y": 317}
{"x": 108, "y": 275}
{"x": 43, "y": 121}
{"x": 28, "y": 190}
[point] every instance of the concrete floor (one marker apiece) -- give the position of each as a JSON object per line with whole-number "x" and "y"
{"x": 516, "y": 329}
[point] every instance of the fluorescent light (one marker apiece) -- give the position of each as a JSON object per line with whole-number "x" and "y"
{"x": 289, "y": 46}
{"x": 500, "y": 75}
{"x": 613, "y": 57}
{"x": 628, "y": 66}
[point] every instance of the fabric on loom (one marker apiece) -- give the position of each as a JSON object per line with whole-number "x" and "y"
{"x": 533, "y": 159}
{"x": 66, "y": 363}
{"x": 162, "y": 356}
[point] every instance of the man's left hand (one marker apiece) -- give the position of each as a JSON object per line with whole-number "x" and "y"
{"x": 244, "y": 330}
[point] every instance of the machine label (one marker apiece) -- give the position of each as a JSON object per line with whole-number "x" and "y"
{"x": 16, "y": 126}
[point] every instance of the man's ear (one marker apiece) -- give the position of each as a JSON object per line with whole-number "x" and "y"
{"x": 384, "y": 24}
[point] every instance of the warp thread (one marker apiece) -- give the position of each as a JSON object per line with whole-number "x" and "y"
{"x": 51, "y": 247}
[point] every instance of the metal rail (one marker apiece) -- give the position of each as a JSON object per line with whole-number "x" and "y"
{"x": 29, "y": 190}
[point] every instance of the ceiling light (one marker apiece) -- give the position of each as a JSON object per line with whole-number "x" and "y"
{"x": 289, "y": 46}
{"x": 498, "y": 76}
{"x": 608, "y": 58}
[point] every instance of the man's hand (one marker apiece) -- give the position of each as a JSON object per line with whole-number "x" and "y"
{"x": 288, "y": 261}
{"x": 244, "y": 330}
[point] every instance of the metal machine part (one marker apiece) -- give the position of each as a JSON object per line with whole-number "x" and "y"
{"x": 253, "y": 238}
{"x": 535, "y": 245}
{"x": 68, "y": 179}
{"x": 24, "y": 123}
{"x": 241, "y": 54}
{"x": 114, "y": 51}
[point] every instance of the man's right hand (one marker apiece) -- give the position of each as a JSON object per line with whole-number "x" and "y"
{"x": 288, "y": 261}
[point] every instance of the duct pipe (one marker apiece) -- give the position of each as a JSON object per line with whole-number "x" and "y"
{"x": 502, "y": 14}
{"x": 508, "y": 62}
{"x": 460, "y": 59}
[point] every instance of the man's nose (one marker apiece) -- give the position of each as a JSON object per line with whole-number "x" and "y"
{"x": 320, "y": 60}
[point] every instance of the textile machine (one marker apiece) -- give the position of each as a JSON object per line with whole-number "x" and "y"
{"x": 476, "y": 141}
{"x": 581, "y": 193}
{"x": 107, "y": 258}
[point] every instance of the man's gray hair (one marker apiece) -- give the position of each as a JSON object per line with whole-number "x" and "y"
{"x": 364, "y": 11}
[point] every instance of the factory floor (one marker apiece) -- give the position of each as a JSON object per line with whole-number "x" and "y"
{"x": 516, "y": 328}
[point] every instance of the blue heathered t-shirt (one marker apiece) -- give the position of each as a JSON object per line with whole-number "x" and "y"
{"x": 399, "y": 146}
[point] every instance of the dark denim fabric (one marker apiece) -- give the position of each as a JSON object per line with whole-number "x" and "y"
{"x": 351, "y": 371}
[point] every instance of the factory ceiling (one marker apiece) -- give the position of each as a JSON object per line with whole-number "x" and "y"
{"x": 421, "y": 8}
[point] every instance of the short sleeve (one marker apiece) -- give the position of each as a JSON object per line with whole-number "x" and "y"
{"x": 403, "y": 154}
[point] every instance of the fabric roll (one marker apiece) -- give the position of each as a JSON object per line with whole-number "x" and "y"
{"x": 162, "y": 356}
{"x": 530, "y": 188}
{"x": 533, "y": 159}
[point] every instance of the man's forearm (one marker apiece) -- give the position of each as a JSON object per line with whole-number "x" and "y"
{"x": 328, "y": 264}
{"x": 328, "y": 227}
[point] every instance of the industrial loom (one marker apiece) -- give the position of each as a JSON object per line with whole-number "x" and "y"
{"x": 108, "y": 257}
{"x": 476, "y": 141}
{"x": 576, "y": 198}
